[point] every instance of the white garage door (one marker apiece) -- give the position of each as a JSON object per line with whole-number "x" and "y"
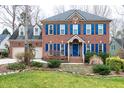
{"x": 16, "y": 50}
{"x": 38, "y": 52}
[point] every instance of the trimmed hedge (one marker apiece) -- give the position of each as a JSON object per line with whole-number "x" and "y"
{"x": 101, "y": 69}
{"x": 36, "y": 64}
{"x": 16, "y": 66}
{"x": 115, "y": 63}
{"x": 54, "y": 63}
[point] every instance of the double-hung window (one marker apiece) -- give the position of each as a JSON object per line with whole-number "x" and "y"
{"x": 50, "y": 49}
{"x": 88, "y": 29}
{"x": 75, "y": 29}
{"x": 62, "y": 48}
{"x": 100, "y": 48}
{"x": 62, "y": 29}
{"x": 100, "y": 29}
{"x": 88, "y": 47}
{"x": 50, "y": 29}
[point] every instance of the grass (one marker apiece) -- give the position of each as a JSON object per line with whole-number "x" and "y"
{"x": 40, "y": 79}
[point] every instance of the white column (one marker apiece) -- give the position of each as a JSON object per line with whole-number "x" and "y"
{"x": 68, "y": 51}
{"x": 83, "y": 51}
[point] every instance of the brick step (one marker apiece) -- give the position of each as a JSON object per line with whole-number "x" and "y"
{"x": 76, "y": 60}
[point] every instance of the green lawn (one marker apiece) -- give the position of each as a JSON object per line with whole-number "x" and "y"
{"x": 40, "y": 79}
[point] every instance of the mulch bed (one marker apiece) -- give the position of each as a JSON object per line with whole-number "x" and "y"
{"x": 3, "y": 68}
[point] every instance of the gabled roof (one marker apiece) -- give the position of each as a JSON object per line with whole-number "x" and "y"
{"x": 15, "y": 35}
{"x": 87, "y": 16}
{"x": 2, "y": 37}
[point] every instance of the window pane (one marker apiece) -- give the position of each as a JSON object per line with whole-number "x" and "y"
{"x": 50, "y": 29}
{"x": 75, "y": 29}
{"x": 100, "y": 47}
{"x": 62, "y": 29}
{"x": 88, "y": 28}
{"x": 62, "y": 49}
{"x": 50, "y": 49}
{"x": 100, "y": 28}
{"x": 88, "y": 47}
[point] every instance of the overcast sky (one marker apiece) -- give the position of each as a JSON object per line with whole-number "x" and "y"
{"x": 49, "y": 11}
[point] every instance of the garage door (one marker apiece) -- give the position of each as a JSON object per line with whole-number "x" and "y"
{"x": 17, "y": 50}
{"x": 38, "y": 52}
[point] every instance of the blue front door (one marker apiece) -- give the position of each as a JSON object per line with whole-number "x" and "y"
{"x": 75, "y": 50}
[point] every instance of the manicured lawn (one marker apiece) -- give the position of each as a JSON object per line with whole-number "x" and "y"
{"x": 40, "y": 79}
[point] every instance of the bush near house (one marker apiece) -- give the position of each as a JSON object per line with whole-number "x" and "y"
{"x": 36, "y": 64}
{"x": 54, "y": 63}
{"x": 16, "y": 66}
{"x": 101, "y": 69}
{"x": 115, "y": 63}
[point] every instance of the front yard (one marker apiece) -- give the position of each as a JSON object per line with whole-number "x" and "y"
{"x": 52, "y": 79}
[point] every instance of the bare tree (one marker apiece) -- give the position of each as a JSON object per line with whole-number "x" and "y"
{"x": 102, "y": 10}
{"x": 81, "y": 7}
{"x": 59, "y": 9}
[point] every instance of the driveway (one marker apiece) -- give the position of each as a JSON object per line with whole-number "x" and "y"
{"x": 9, "y": 60}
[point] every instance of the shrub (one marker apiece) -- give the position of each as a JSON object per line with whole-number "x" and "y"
{"x": 103, "y": 56}
{"x": 88, "y": 55}
{"x": 36, "y": 64}
{"x": 16, "y": 66}
{"x": 5, "y": 53}
{"x": 101, "y": 69}
{"x": 54, "y": 63}
{"x": 115, "y": 63}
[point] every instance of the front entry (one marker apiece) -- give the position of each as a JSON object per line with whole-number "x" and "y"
{"x": 75, "y": 50}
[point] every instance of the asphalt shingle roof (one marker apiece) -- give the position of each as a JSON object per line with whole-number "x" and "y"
{"x": 85, "y": 16}
{"x": 15, "y": 35}
{"x": 2, "y": 37}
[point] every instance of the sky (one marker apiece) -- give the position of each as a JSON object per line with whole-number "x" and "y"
{"x": 47, "y": 6}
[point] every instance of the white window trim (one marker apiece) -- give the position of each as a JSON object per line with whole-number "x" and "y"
{"x": 102, "y": 29}
{"x": 60, "y": 29}
{"x": 102, "y": 47}
{"x": 90, "y": 29}
{"x": 86, "y": 47}
{"x": 49, "y": 29}
{"x": 77, "y": 29}
{"x": 60, "y": 50}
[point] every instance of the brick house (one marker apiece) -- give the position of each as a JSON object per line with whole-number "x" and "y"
{"x": 69, "y": 35}
{"x": 17, "y": 41}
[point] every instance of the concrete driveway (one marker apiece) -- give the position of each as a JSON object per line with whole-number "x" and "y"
{"x": 9, "y": 60}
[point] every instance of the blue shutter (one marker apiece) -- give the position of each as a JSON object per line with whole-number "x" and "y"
{"x": 46, "y": 29}
{"x": 55, "y": 47}
{"x": 46, "y": 47}
{"x": 97, "y": 48}
{"x": 92, "y": 29}
{"x": 97, "y": 29}
{"x": 84, "y": 48}
{"x": 104, "y": 27}
{"x": 84, "y": 29}
{"x": 104, "y": 48}
{"x": 71, "y": 29}
{"x": 54, "y": 29}
{"x": 92, "y": 47}
{"x": 66, "y": 28}
{"x": 79, "y": 29}
{"x": 58, "y": 29}
{"x": 58, "y": 47}
{"x": 66, "y": 49}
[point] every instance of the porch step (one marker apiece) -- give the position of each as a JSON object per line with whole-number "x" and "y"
{"x": 76, "y": 60}
{"x": 76, "y": 68}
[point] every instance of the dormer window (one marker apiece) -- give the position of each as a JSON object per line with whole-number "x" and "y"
{"x": 36, "y": 31}
{"x": 21, "y": 31}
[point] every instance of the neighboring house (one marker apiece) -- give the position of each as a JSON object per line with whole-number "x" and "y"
{"x": 17, "y": 40}
{"x": 115, "y": 45}
{"x": 69, "y": 35}
{"x": 3, "y": 41}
